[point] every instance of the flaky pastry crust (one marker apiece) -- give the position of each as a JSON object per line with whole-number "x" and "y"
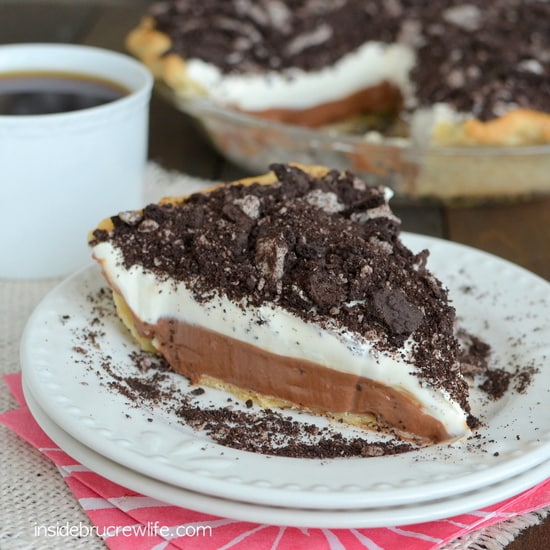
{"x": 515, "y": 128}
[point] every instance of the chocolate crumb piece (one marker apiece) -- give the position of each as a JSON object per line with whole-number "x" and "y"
{"x": 496, "y": 383}
{"x": 197, "y": 391}
{"x": 473, "y": 422}
{"x": 474, "y": 354}
{"x": 402, "y": 317}
{"x": 249, "y": 403}
{"x": 523, "y": 378}
{"x": 146, "y": 362}
{"x": 272, "y": 433}
{"x": 474, "y": 363}
{"x": 145, "y": 388}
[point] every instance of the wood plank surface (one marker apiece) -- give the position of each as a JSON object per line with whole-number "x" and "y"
{"x": 519, "y": 232}
{"x": 44, "y": 22}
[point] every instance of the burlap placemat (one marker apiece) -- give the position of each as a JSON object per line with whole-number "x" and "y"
{"x": 33, "y": 492}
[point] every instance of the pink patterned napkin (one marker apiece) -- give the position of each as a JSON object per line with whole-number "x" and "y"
{"x": 128, "y": 520}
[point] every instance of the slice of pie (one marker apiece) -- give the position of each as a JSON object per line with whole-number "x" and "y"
{"x": 292, "y": 289}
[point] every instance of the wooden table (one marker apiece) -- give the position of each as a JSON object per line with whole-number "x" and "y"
{"x": 518, "y": 232}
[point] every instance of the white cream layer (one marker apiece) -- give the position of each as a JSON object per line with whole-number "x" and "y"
{"x": 277, "y": 331}
{"x": 369, "y": 65}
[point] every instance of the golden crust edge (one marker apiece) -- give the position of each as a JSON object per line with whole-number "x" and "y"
{"x": 362, "y": 421}
{"x": 517, "y": 127}
{"x": 151, "y": 47}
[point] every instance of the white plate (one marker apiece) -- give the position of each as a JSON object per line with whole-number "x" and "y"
{"x": 289, "y": 517}
{"x": 503, "y": 303}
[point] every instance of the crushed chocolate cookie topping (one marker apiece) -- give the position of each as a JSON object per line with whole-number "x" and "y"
{"x": 474, "y": 354}
{"x": 481, "y": 57}
{"x": 496, "y": 383}
{"x": 259, "y": 35}
{"x": 474, "y": 360}
{"x": 272, "y": 433}
{"x": 336, "y": 260}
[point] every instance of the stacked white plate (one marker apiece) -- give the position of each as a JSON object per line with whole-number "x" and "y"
{"x": 148, "y": 449}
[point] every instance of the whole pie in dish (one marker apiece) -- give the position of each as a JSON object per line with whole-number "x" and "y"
{"x": 292, "y": 289}
{"x": 447, "y": 73}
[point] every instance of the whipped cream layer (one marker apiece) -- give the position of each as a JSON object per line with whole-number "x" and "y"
{"x": 299, "y": 89}
{"x": 277, "y": 331}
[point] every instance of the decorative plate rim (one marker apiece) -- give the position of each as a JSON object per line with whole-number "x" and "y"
{"x": 516, "y": 437}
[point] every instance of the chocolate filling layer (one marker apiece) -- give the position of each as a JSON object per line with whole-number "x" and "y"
{"x": 196, "y": 352}
{"x": 376, "y": 99}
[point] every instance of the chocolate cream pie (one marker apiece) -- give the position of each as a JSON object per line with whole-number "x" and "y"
{"x": 292, "y": 289}
{"x": 451, "y": 72}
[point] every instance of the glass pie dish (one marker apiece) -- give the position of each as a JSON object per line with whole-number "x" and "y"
{"x": 449, "y": 174}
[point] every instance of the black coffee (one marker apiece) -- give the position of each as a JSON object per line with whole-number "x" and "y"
{"x": 41, "y": 93}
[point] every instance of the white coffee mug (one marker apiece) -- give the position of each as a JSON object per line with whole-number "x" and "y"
{"x": 61, "y": 173}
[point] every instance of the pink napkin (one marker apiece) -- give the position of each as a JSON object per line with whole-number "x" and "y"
{"x": 127, "y": 519}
